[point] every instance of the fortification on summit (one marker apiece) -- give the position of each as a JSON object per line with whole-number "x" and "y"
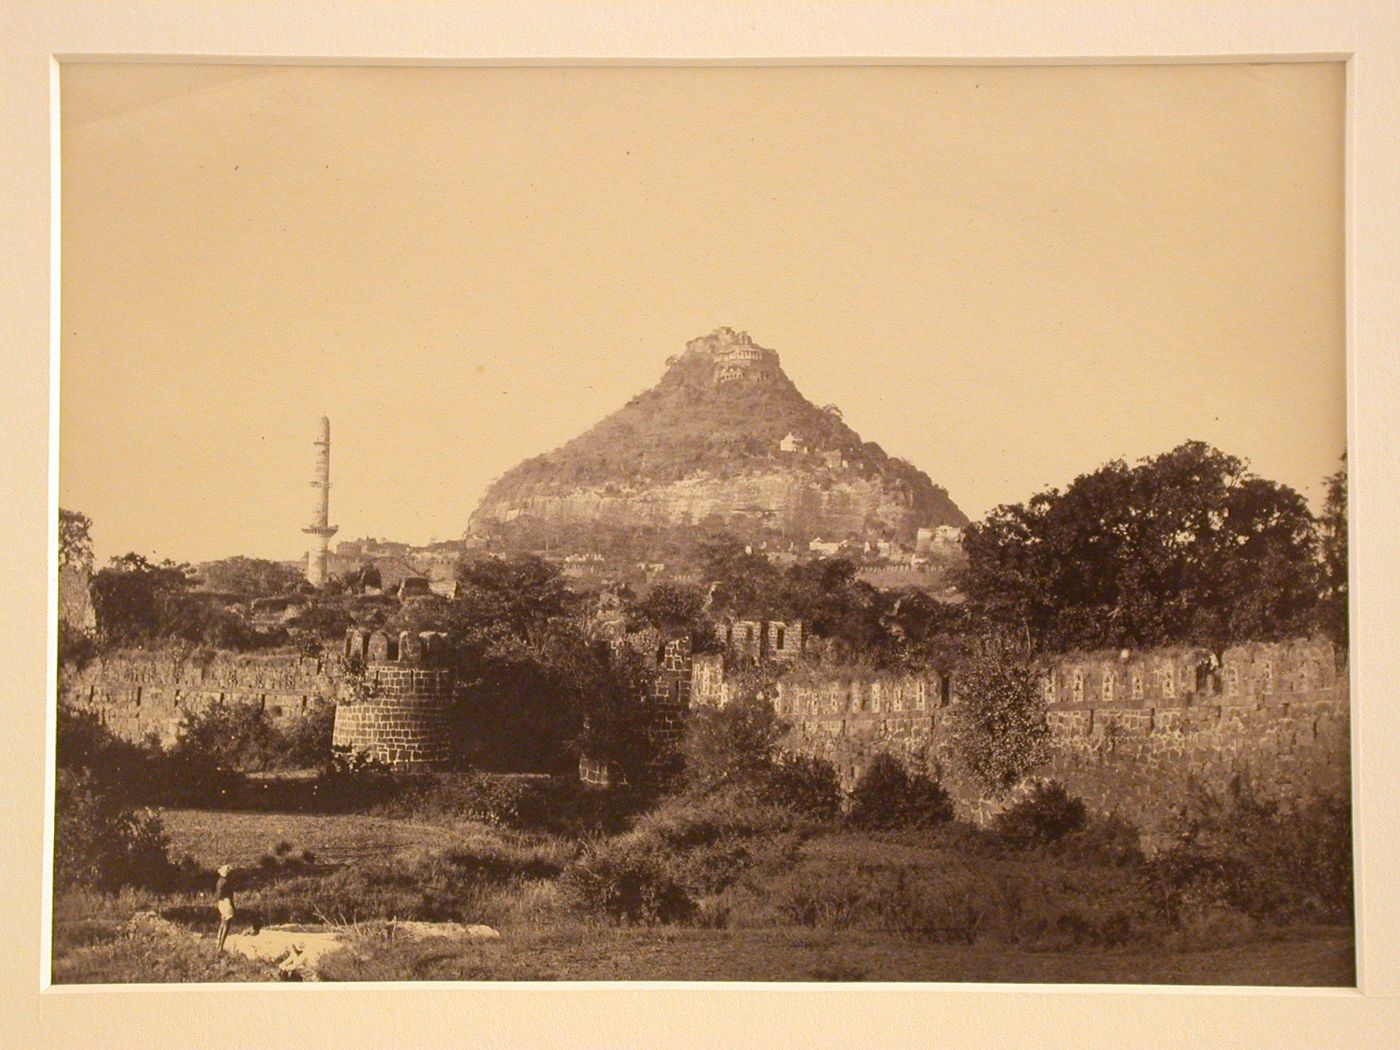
{"x": 736, "y": 357}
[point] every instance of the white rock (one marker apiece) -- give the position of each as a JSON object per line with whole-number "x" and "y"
{"x": 274, "y": 945}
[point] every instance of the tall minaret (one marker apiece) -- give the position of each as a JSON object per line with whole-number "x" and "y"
{"x": 320, "y": 526}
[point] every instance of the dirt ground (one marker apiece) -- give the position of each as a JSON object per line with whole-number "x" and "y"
{"x": 1318, "y": 957}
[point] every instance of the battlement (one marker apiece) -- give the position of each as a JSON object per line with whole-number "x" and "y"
{"x": 406, "y": 648}
{"x": 1179, "y": 677}
{"x": 400, "y": 713}
{"x": 1131, "y": 732}
{"x": 763, "y": 639}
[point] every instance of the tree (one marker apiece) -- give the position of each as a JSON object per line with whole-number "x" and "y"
{"x": 1186, "y": 547}
{"x": 136, "y": 599}
{"x": 923, "y": 631}
{"x": 521, "y": 593}
{"x": 74, "y": 540}
{"x": 139, "y": 601}
{"x": 251, "y": 577}
{"x": 742, "y": 583}
{"x": 998, "y": 722}
{"x": 677, "y": 609}
{"x": 607, "y": 692}
{"x": 1332, "y": 605}
{"x": 535, "y": 686}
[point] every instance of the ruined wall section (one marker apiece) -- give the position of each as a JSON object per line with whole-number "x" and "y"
{"x": 708, "y": 685}
{"x": 139, "y": 692}
{"x": 670, "y": 691}
{"x": 1127, "y": 735}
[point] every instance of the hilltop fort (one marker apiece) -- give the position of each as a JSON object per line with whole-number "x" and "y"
{"x": 724, "y": 441}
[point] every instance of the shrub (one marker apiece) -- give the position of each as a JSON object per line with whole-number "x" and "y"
{"x": 999, "y": 724}
{"x": 1238, "y": 851}
{"x": 100, "y": 843}
{"x": 306, "y": 742}
{"x": 678, "y": 855}
{"x": 1046, "y": 815}
{"x": 628, "y": 879}
{"x": 735, "y": 750}
{"x": 889, "y": 796}
{"x": 731, "y": 747}
{"x": 354, "y": 780}
{"x": 136, "y": 774}
{"x": 496, "y": 799}
{"x": 231, "y": 736}
{"x": 805, "y": 784}
{"x": 241, "y": 736}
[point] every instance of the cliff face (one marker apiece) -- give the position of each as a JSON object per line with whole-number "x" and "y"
{"x": 724, "y": 440}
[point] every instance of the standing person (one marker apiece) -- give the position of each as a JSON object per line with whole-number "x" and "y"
{"x": 223, "y": 900}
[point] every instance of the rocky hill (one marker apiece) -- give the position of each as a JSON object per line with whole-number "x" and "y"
{"x": 724, "y": 441}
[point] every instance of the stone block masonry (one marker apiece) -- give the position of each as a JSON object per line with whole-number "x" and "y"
{"x": 670, "y": 692}
{"x": 1133, "y": 736}
{"x": 1129, "y": 734}
{"x": 142, "y": 692}
{"x": 400, "y": 711}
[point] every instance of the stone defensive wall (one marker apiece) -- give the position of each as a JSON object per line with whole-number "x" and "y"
{"x": 1130, "y": 733}
{"x": 139, "y": 692}
{"x": 398, "y": 710}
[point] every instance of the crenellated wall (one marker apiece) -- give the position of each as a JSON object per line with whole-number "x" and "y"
{"x": 139, "y": 692}
{"x": 400, "y": 710}
{"x": 1130, "y": 735}
{"x": 1129, "y": 732}
{"x": 780, "y": 640}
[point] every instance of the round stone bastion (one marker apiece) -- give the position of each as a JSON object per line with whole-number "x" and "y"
{"x": 398, "y": 710}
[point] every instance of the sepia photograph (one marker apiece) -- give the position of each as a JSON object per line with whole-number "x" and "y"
{"x": 814, "y": 524}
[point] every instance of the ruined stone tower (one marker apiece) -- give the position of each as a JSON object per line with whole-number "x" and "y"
{"x": 320, "y": 528}
{"x": 399, "y": 711}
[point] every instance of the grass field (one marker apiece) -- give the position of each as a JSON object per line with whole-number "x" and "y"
{"x": 213, "y": 837}
{"x": 831, "y": 904}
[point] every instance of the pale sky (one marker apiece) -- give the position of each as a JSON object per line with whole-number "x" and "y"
{"x": 1005, "y": 275}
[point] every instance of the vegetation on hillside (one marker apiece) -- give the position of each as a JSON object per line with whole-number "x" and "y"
{"x": 687, "y": 425}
